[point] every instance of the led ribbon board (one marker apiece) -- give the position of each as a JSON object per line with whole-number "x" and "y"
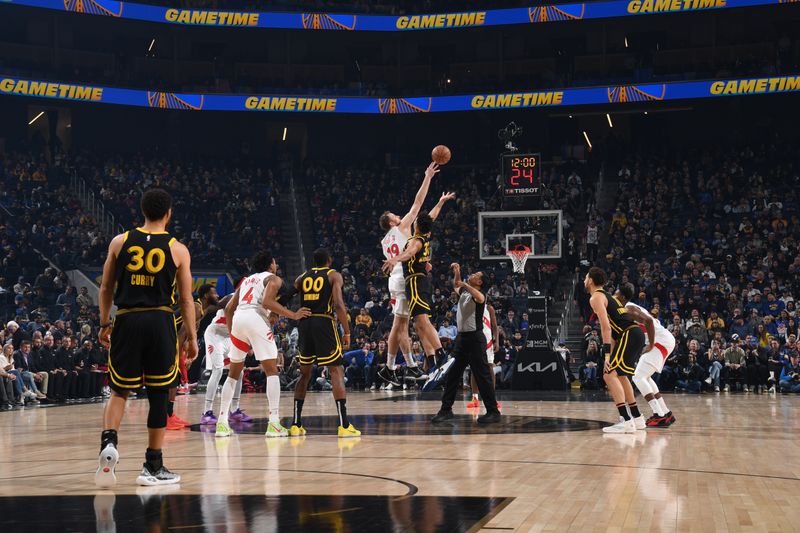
{"x": 350, "y": 22}
{"x": 613, "y": 94}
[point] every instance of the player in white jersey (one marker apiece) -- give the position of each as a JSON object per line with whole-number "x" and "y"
{"x": 398, "y": 231}
{"x": 660, "y": 345}
{"x": 247, "y": 319}
{"x": 492, "y": 334}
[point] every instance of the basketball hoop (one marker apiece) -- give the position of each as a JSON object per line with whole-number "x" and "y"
{"x": 519, "y": 256}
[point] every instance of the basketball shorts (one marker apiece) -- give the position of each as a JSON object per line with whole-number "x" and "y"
{"x": 217, "y": 349}
{"x": 419, "y": 295}
{"x": 251, "y": 332}
{"x": 144, "y": 351}
{"x": 627, "y": 351}
{"x": 319, "y": 342}
{"x": 662, "y": 349}
{"x": 397, "y": 293}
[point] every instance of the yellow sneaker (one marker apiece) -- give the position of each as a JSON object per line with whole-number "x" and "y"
{"x": 348, "y": 432}
{"x": 297, "y": 431}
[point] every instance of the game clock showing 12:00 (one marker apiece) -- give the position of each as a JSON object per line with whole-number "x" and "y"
{"x": 522, "y": 174}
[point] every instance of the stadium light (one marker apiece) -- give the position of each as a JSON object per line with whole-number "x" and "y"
{"x": 152, "y": 43}
{"x": 284, "y": 132}
{"x": 626, "y": 42}
{"x": 586, "y": 136}
{"x": 610, "y": 124}
{"x": 34, "y": 119}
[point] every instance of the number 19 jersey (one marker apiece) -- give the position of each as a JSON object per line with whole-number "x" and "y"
{"x": 145, "y": 271}
{"x": 393, "y": 245}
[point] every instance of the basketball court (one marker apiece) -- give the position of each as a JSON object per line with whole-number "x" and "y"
{"x": 725, "y": 465}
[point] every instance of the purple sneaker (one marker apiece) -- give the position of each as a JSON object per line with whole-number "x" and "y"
{"x": 208, "y": 419}
{"x": 240, "y": 416}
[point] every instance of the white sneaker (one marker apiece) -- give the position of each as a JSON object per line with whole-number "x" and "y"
{"x": 383, "y": 386}
{"x": 771, "y": 389}
{"x": 105, "y": 475}
{"x": 623, "y": 426}
{"x": 639, "y": 422}
{"x": 373, "y": 387}
{"x": 727, "y": 388}
{"x": 389, "y": 387}
{"x": 716, "y": 389}
{"x": 709, "y": 380}
{"x": 746, "y": 388}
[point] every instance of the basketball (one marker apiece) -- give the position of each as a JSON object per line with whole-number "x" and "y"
{"x": 441, "y": 155}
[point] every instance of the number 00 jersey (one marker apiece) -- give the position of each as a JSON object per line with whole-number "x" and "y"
{"x": 145, "y": 271}
{"x": 418, "y": 262}
{"x": 617, "y": 316}
{"x": 316, "y": 292}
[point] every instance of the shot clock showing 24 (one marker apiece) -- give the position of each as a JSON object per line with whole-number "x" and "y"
{"x": 522, "y": 174}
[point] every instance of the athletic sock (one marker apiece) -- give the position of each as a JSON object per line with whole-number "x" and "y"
{"x": 410, "y": 363}
{"x": 663, "y": 405}
{"x": 108, "y": 436}
{"x": 211, "y": 388}
{"x": 656, "y": 407}
{"x": 634, "y": 410}
{"x": 274, "y": 397}
{"x": 227, "y": 396}
{"x": 341, "y": 408}
{"x": 623, "y": 412}
{"x": 153, "y": 460}
{"x": 391, "y": 362}
{"x": 170, "y": 408}
{"x": 440, "y": 356}
{"x": 237, "y": 393}
{"x": 431, "y": 362}
{"x": 297, "y": 419}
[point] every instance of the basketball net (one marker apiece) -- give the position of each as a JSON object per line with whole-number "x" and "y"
{"x": 519, "y": 256}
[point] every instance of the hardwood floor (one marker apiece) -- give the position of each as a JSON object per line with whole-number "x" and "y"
{"x": 727, "y": 465}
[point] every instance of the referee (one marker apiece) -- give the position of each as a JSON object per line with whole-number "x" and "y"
{"x": 470, "y": 349}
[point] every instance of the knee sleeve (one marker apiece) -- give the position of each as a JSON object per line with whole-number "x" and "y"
{"x": 642, "y": 383}
{"x": 157, "y": 417}
{"x": 653, "y": 386}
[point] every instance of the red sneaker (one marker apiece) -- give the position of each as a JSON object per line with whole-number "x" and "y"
{"x": 499, "y": 405}
{"x": 474, "y": 404}
{"x": 183, "y": 390}
{"x": 173, "y": 424}
{"x": 654, "y": 421}
{"x": 181, "y": 420}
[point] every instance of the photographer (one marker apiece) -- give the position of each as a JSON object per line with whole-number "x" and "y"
{"x": 790, "y": 375}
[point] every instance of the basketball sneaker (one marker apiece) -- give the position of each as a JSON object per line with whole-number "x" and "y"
{"x": 160, "y": 477}
{"x": 623, "y": 426}
{"x": 348, "y": 432}
{"x": 240, "y": 416}
{"x": 275, "y": 429}
{"x": 297, "y": 431}
{"x": 173, "y": 424}
{"x": 389, "y": 376}
{"x": 474, "y": 403}
{"x": 654, "y": 421}
{"x": 208, "y": 419}
{"x": 639, "y": 422}
{"x": 670, "y": 418}
{"x": 223, "y": 430}
{"x": 414, "y": 372}
{"x": 180, "y": 420}
{"x": 105, "y": 475}
{"x": 499, "y": 405}
{"x": 491, "y": 417}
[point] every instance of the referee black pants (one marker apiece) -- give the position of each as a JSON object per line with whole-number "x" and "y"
{"x": 470, "y": 349}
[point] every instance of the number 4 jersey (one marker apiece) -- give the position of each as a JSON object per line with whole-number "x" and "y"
{"x": 251, "y": 294}
{"x": 145, "y": 271}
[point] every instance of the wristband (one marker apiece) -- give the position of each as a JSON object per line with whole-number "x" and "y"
{"x": 105, "y": 325}
{"x": 607, "y": 347}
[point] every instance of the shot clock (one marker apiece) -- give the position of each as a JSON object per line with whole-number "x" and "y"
{"x": 522, "y": 174}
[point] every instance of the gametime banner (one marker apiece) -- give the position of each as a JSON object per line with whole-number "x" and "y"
{"x": 337, "y": 21}
{"x": 614, "y": 94}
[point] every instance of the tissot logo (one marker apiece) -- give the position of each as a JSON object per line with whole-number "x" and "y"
{"x": 537, "y": 367}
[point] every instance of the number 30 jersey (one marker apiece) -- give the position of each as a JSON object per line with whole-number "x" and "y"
{"x": 393, "y": 245}
{"x": 145, "y": 271}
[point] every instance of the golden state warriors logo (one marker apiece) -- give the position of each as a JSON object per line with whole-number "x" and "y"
{"x": 556, "y": 13}
{"x": 94, "y": 7}
{"x": 161, "y": 100}
{"x": 324, "y": 21}
{"x": 394, "y": 106}
{"x": 636, "y": 93}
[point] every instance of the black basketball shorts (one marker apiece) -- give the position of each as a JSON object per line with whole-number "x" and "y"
{"x": 319, "y": 342}
{"x": 144, "y": 351}
{"x": 419, "y": 295}
{"x": 627, "y": 351}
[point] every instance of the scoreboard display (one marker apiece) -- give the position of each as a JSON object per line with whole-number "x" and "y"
{"x": 521, "y": 174}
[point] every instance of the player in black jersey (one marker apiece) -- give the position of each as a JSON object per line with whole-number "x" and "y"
{"x": 415, "y": 259}
{"x": 623, "y": 341}
{"x": 321, "y": 291}
{"x": 147, "y": 265}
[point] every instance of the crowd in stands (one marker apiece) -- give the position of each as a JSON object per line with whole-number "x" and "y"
{"x": 709, "y": 242}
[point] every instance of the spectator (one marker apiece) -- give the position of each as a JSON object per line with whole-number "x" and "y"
{"x": 716, "y": 366}
{"x": 447, "y": 331}
{"x": 591, "y": 363}
{"x": 364, "y": 321}
{"x": 68, "y": 297}
{"x": 735, "y": 361}
{"x": 7, "y": 365}
{"x": 84, "y": 299}
{"x": 23, "y": 361}
{"x": 790, "y": 375}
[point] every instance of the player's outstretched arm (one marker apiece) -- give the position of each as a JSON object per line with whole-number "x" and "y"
{"x": 274, "y": 283}
{"x": 106, "y": 298}
{"x": 647, "y": 321}
{"x": 341, "y": 309}
{"x": 419, "y": 199}
{"x": 183, "y": 260}
{"x": 412, "y": 248}
{"x": 446, "y": 197}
